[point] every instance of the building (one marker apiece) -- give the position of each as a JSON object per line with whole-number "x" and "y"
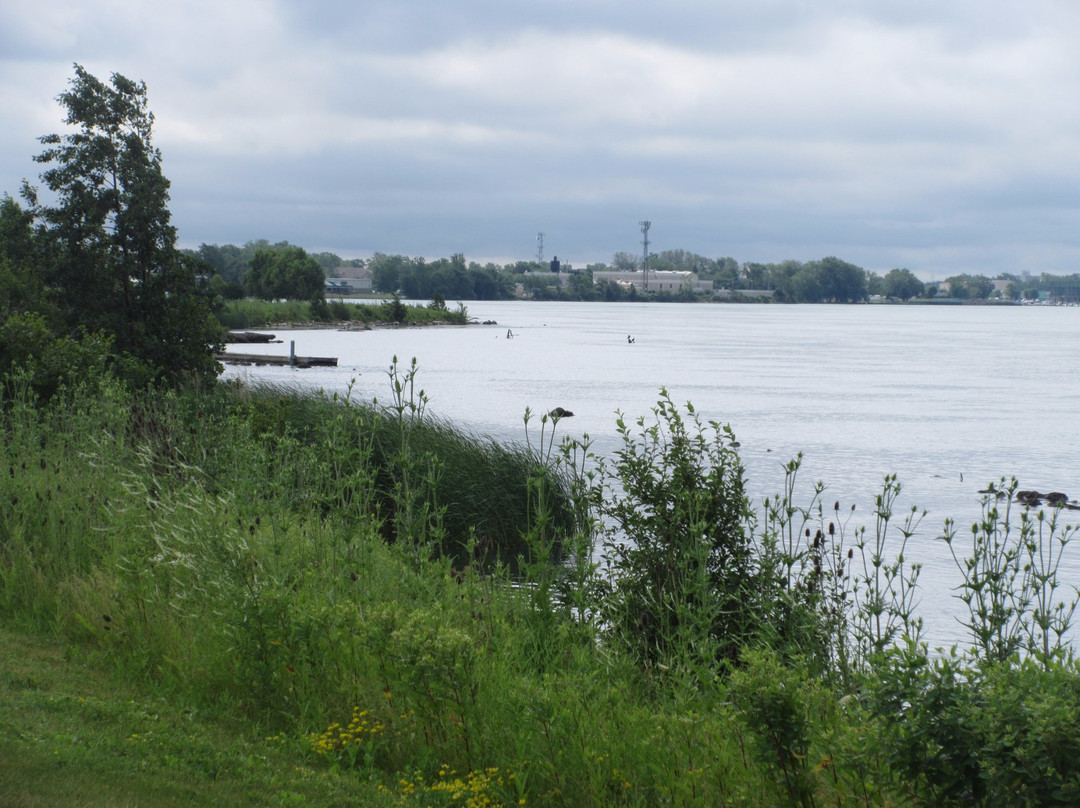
{"x": 348, "y": 281}
{"x": 339, "y": 287}
{"x": 670, "y": 281}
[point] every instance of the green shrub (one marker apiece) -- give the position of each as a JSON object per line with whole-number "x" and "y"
{"x": 396, "y": 311}
{"x": 775, "y": 703}
{"x": 928, "y": 738}
{"x": 679, "y": 551}
{"x": 1027, "y": 716}
{"x": 29, "y": 351}
{"x": 956, "y": 730}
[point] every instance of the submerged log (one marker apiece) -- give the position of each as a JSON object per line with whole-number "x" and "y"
{"x": 239, "y": 337}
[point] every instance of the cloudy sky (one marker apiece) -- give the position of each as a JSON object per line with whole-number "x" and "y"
{"x": 938, "y": 135}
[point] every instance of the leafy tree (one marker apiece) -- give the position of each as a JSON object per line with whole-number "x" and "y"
{"x": 227, "y": 260}
{"x": 286, "y": 272}
{"x": 806, "y": 287}
{"x": 114, "y": 263}
{"x": 418, "y": 283}
{"x": 330, "y": 261}
{"x": 543, "y": 286}
{"x": 451, "y": 278}
{"x": 227, "y": 290}
{"x": 840, "y": 281}
{"x": 725, "y": 273}
{"x": 624, "y": 262}
{"x": 611, "y": 291}
{"x": 753, "y": 276}
{"x": 580, "y": 286}
{"x": 21, "y": 270}
{"x": 975, "y": 287}
{"x": 781, "y": 278}
{"x": 489, "y": 283}
{"x": 386, "y": 271}
{"x": 903, "y": 283}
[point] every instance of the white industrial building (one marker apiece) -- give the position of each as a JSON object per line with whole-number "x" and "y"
{"x": 663, "y": 280}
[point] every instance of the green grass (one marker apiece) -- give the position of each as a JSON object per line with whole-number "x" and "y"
{"x": 234, "y": 596}
{"x": 73, "y": 732}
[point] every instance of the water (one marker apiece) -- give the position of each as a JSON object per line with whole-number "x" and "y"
{"x": 948, "y": 398}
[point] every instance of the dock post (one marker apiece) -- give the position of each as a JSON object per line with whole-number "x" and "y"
{"x": 292, "y": 352}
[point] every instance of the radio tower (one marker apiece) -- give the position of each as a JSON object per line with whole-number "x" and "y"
{"x": 540, "y": 249}
{"x": 645, "y": 225}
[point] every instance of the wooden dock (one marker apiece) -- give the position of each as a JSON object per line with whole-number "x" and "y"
{"x": 267, "y": 359}
{"x": 291, "y": 360}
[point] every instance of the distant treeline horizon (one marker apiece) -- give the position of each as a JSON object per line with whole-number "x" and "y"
{"x": 824, "y": 280}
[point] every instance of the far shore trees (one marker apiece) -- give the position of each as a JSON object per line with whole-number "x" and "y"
{"x": 903, "y": 284}
{"x": 286, "y": 272}
{"x": 970, "y": 287}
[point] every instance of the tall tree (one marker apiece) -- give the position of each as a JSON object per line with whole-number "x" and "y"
{"x": 286, "y": 272}
{"x": 965, "y": 286}
{"x": 840, "y": 281}
{"x": 117, "y": 270}
{"x": 21, "y": 265}
{"x": 387, "y": 271}
{"x": 903, "y": 283}
{"x": 623, "y": 261}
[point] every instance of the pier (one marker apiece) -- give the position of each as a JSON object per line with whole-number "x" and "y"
{"x": 269, "y": 359}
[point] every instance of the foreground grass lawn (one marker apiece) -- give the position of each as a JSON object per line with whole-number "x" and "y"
{"x": 71, "y": 735}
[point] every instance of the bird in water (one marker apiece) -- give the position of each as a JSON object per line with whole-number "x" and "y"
{"x": 559, "y": 412}
{"x": 629, "y": 339}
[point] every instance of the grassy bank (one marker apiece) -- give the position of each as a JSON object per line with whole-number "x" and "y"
{"x": 252, "y": 313}
{"x": 75, "y": 731}
{"x": 229, "y": 595}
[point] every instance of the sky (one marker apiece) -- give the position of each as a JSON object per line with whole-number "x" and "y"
{"x": 942, "y": 136}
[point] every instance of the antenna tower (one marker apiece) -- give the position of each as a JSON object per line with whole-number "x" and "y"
{"x": 540, "y": 248}
{"x": 645, "y": 225}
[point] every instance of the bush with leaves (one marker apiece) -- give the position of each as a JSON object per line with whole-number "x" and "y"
{"x": 30, "y": 353}
{"x": 676, "y": 540}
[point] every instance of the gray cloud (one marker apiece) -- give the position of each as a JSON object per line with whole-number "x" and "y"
{"x": 941, "y": 137}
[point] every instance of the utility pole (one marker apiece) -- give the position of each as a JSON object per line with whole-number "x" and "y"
{"x": 645, "y": 225}
{"x": 540, "y": 249}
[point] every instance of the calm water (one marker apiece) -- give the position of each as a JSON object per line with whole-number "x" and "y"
{"x": 948, "y": 398}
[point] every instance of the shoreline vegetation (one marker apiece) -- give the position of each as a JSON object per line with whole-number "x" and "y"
{"x": 294, "y": 599}
{"x": 242, "y": 315}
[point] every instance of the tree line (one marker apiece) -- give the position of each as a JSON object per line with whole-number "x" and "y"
{"x": 282, "y": 270}
{"x": 827, "y": 280}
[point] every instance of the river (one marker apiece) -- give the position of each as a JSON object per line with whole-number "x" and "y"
{"x": 949, "y": 398}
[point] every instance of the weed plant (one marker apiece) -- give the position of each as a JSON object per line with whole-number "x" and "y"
{"x": 402, "y": 605}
